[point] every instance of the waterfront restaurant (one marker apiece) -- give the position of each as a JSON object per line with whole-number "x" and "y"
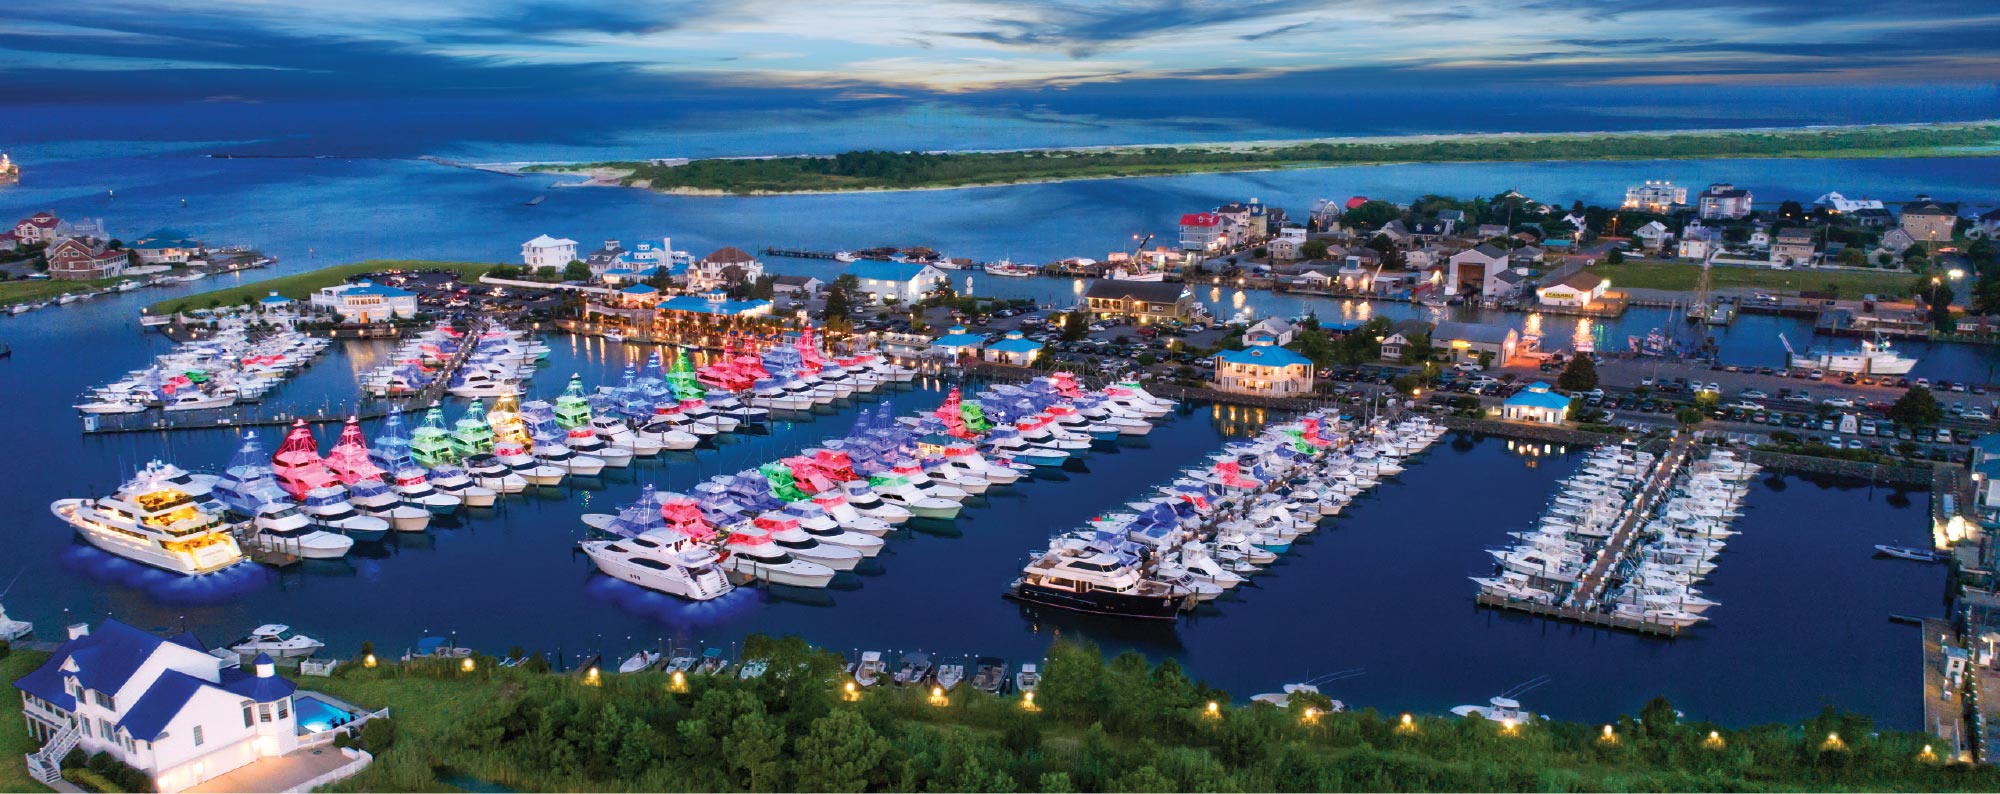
{"x": 365, "y": 302}
{"x": 957, "y": 342}
{"x": 1015, "y": 349}
{"x": 1537, "y": 404}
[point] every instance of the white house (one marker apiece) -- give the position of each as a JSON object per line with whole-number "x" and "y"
{"x": 548, "y": 252}
{"x": 166, "y": 247}
{"x": 1538, "y": 404}
{"x": 1015, "y": 349}
{"x": 1652, "y": 235}
{"x": 904, "y": 281}
{"x": 723, "y": 268}
{"x": 1723, "y": 201}
{"x": 365, "y": 302}
{"x": 1270, "y": 331}
{"x": 1578, "y": 289}
{"x": 1266, "y": 370}
{"x": 167, "y": 707}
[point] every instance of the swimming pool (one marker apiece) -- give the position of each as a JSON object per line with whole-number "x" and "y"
{"x": 317, "y": 716}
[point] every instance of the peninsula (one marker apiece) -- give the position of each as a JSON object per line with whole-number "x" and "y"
{"x": 885, "y": 170}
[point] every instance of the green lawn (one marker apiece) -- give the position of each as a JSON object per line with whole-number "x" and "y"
{"x": 14, "y": 743}
{"x": 301, "y": 286}
{"x": 1651, "y": 274}
{"x": 31, "y": 290}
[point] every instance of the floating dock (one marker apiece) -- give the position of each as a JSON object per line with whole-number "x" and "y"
{"x": 1584, "y": 616}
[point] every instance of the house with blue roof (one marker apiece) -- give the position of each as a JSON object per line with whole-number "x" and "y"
{"x": 715, "y": 303}
{"x": 166, "y": 247}
{"x": 906, "y": 282}
{"x": 365, "y": 301}
{"x": 958, "y": 342}
{"x": 166, "y": 706}
{"x": 1537, "y": 403}
{"x": 1016, "y": 349}
{"x": 1265, "y": 370}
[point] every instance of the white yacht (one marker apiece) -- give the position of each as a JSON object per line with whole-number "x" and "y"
{"x": 277, "y": 641}
{"x": 452, "y": 480}
{"x": 154, "y": 522}
{"x": 752, "y": 552}
{"x": 663, "y": 560}
{"x": 11, "y": 629}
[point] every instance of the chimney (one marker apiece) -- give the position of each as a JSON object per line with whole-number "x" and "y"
{"x": 78, "y": 631}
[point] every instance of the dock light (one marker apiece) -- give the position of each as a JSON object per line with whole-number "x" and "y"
{"x": 1311, "y": 716}
{"x": 467, "y": 664}
{"x": 590, "y": 677}
{"x": 368, "y": 661}
{"x": 1832, "y": 742}
{"x": 1028, "y": 702}
{"x": 1507, "y": 725}
{"x": 938, "y": 698}
{"x": 680, "y": 681}
{"x": 1714, "y": 739}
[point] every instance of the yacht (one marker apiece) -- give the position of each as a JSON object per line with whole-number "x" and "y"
{"x": 899, "y": 492}
{"x": 785, "y": 532}
{"x": 664, "y": 560}
{"x": 111, "y": 406}
{"x": 328, "y": 508}
{"x": 277, "y": 641}
{"x": 751, "y": 551}
{"x": 431, "y": 444}
{"x": 514, "y": 456}
{"x": 451, "y": 479}
{"x": 488, "y": 471}
{"x": 1100, "y": 582}
{"x": 155, "y": 523}
{"x": 350, "y": 462}
{"x": 1498, "y": 709}
{"x": 471, "y": 435}
{"x": 297, "y": 464}
{"x": 11, "y": 629}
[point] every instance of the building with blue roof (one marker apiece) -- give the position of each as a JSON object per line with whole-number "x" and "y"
{"x": 274, "y": 302}
{"x": 1537, "y": 403}
{"x": 166, "y": 247}
{"x": 1016, "y": 349}
{"x": 957, "y": 342}
{"x": 906, "y": 282}
{"x": 365, "y": 301}
{"x": 1264, "y": 370}
{"x": 715, "y": 304}
{"x": 166, "y": 706}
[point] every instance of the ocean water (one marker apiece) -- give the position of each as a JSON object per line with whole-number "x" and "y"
{"x": 1382, "y": 588}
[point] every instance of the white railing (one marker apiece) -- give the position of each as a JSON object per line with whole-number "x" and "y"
{"x": 46, "y": 764}
{"x": 350, "y": 769}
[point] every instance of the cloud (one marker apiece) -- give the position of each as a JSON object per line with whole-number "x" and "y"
{"x": 964, "y": 46}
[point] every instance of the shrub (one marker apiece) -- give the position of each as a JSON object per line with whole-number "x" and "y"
{"x": 378, "y": 734}
{"x": 75, "y": 759}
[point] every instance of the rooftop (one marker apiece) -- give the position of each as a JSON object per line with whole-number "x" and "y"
{"x": 1148, "y": 291}
{"x": 886, "y": 271}
{"x": 1263, "y": 356}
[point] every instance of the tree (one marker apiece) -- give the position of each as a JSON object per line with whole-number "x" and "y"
{"x": 1938, "y": 298}
{"x": 1615, "y": 257}
{"x": 576, "y": 270}
{"x": 1371, "y": 214}
{"x": 1313, "y": 249}
{"x": 1075, "y": 326}
{"x": 1580, "y": 375}
{"x": 1853, "y": 257}
{"x": 765, "y": 288}
{"x": 1791, "y": 211}
{"x": 838, "y": 752}
{"x": 1916, "y": 408}
{"x": 1986, "y": 292}
{"x": 840, "y": 295}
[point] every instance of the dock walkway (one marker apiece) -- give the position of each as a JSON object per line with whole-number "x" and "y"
{"x": 1591, "y": 585}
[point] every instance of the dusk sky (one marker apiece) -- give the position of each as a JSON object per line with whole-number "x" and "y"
{"x": 271, "y": 49}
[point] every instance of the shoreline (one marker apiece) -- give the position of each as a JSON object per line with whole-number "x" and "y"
{"x": 613, "y": 173}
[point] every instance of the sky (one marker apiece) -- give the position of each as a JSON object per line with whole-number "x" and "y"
{"x": 105, "y": 50}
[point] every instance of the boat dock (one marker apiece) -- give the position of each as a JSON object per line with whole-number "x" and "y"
{"x": 1944, "y": 702}
{"x": 1587, "y": 617}
{"x": 1591, "y": 585}
{"x": 797, "y": 253}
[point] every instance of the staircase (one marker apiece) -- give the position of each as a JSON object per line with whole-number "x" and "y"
{"x": 710, "y": 582}
{"x": 46, "y": 764}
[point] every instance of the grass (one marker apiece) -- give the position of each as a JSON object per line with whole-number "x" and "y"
{"x": 1686, "y": 276}
{"x": 300, "y": 287}
{"x": 14, "y": 741}
{"x": 424, "y": 709}
{"x": 31, "y": 290}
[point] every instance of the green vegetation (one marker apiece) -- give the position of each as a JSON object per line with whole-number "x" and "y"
{"x": 1097, "y": 725}
{"x": 1579, "y": 375}
{"x": 36, "y": 289}
{"x": 879, "y": 170}
{"x": 303, "y": 285}
{"x": 1686, "y": 276}
{"x": 14, "y": 742}
{"x": 1916, "y": 408}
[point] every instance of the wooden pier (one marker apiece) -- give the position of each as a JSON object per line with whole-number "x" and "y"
{"x": 1592, "y": 584}
{"x": 1585, "y": 616}
{"x": 797, "y": 253}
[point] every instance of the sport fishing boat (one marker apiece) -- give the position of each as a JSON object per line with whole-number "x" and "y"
{"x": 471, "y": 435}
{"x": 550, "y": 442}
{"x": 452, "y": 479}
{"x": 248, "y": 491}
{"x": 366, "y": 487}
{"x": 407, "y": 479}
{"x": 297, "y": 464}
{"x": 152, "y": 522}
{"x": 431, "y": 443}
{"x": 277, "y": 641}
{"x": 515, "y": 457}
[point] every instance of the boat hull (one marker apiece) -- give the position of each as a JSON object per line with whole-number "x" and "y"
{"x": 1100, "y": 603}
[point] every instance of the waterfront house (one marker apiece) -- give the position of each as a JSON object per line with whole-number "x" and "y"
{"x": 167, "y": 707}
{"x": 905, "y": 282}
{"x": 1465, "y": 342}
{"x": 713, "y": 304}
{"x": 1698, "y": 241}
{"x": 41, "y": 228}
{"x": 1653, "y": 235}
{"x": 1452, "y": 219}
{"x": 1508, "y": 283}
{"x": 545, "y": 252}
{"x": 1656, "y": 195}
{"x": 274, "y": 303}
{"x": 1270, "y": 331}
{"x": 167, "y": 247}
{"x": 1472, "y": 271}
{"x": 1537, "y": 403}
{"x": 1978, "y": 324}
{"x": 1404, "y": 334}
{"x": 1577, "y": 290}
{"x": 1987, "y": 227}
{"x": 1285, "y": 248}
{"x": 723, "y": 268}
{"x": 1311, "y": 279}
{"x": 1263, "y": 370}
{"x": 1760, "y": 239}
{"x": 365, "y": 302}
{"x": 1722, "y": 201}
{"x": 1872, "y": 218}
{"x": 611, "y": 256}
{"x": 1201, "y": 231}
{"x": 639, "y": 296}
{"x": 84, "y": 258}
{"x": 1015, "y": 349}
{"x": 796, "y": 285}
{"x": 1793, "y": 246}
{"x": 1842, "y": 205}
{"x": 1896, "y": 241}
{"x": 1142, "y": 302}
{"x": 1927, "y": 221}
